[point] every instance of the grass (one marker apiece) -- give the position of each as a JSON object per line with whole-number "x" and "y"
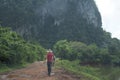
{"x": 4, "y": 68}
{"x": 89, "y": 72}
{"x": 110, "y": 73}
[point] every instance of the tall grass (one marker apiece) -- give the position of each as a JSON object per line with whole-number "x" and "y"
{"x": 89, "y": 72}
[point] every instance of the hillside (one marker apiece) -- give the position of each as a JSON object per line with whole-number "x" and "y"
{"x": 47, "y": 21}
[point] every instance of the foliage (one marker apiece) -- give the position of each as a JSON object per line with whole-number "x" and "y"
{"x": 77, "y": 48}
{"x": 15, "y": 50}
{"x": 62, "y": 49}
{"x": 87, "y": 54}
{"x": 114, "y": 50}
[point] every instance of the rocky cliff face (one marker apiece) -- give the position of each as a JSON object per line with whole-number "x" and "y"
{"x": 53, "y": 20}
{"x": 80, "y": 8}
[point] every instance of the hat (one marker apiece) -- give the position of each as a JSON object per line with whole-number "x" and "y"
{"x": 50, "y": 50}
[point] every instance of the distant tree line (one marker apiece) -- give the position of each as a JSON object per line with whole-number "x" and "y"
{"x": 15, "y": 50}
{"x": 89, "y": 54}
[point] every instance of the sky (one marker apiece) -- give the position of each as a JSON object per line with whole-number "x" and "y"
{"x": 110, "y": 13}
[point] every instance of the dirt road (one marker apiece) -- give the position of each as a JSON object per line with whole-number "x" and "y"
{"x": 38, "y": 71}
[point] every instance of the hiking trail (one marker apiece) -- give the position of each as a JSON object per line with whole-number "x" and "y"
{"x": 38, "y": 71}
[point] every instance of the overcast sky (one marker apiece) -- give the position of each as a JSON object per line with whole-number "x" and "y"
{"x": 110, "y": 12}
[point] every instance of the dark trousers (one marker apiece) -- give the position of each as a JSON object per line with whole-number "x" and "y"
{"x": 49, "y": 65}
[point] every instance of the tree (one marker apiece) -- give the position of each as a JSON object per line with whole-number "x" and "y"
{"x": 62, "y": 49}
{"x": 15, "y": 50}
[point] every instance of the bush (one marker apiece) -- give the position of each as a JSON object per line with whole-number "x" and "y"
{"x": 15, "y": 50}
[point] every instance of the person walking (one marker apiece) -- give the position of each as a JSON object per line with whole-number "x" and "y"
{"x": 50, "y": 59}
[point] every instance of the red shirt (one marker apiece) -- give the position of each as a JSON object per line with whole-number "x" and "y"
{"x": 50, "y": 57}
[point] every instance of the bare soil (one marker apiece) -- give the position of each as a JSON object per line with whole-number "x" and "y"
{"x": 38, "y": 71}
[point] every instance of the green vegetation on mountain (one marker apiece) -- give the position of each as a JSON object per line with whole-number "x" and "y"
{"x": 47, "y": 21}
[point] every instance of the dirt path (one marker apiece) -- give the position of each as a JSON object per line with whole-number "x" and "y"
{"x": 37, "y": 71}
